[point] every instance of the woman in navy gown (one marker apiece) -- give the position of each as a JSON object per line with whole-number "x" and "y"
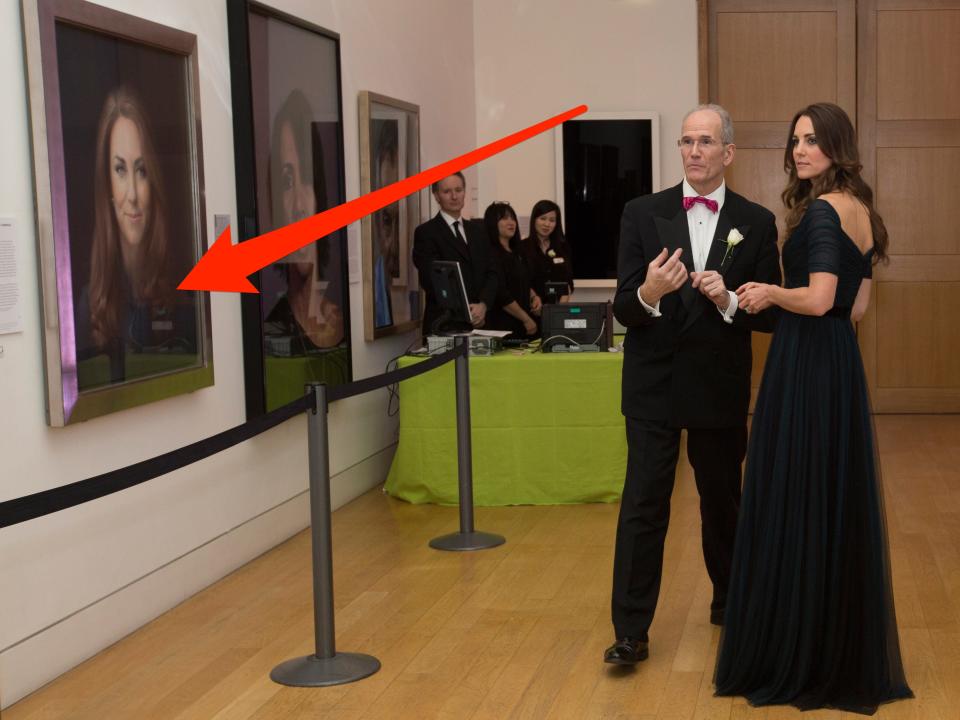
{"x": 810, "y": 618}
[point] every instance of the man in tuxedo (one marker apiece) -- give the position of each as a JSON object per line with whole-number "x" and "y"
{"x": 447, "y": 237}
{"x": 686, "y": 365}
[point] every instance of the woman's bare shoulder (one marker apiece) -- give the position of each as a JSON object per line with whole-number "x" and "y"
{"x": 854, "y": 217}
{"x": 842, "y": 202}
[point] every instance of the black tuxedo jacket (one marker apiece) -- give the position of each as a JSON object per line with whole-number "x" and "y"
{"x": 689, "y": 367}
{"x": 434, "y": 240}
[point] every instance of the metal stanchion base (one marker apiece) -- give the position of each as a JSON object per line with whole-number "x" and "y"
{"x": 312, "y": 671}
{"x": 467, "y": 541}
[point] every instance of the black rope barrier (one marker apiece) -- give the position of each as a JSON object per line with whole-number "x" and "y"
{"x": 60, "y": 498}
{"x": 30, "y": 507}
{"x": 339, "y": 392}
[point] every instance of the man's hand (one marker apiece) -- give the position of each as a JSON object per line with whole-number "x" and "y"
{"x": 478, "y": 314}
{"x": 664, "y": 275}
{"x": 711, "y": 284}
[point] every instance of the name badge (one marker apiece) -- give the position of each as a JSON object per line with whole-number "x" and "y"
{"x": 558, "y": 261}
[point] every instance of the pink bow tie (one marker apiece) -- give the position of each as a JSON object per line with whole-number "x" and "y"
{"x": 689, "y": 202}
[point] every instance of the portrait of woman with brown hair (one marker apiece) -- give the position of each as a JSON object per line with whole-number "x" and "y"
{"x": 129, "y": 304}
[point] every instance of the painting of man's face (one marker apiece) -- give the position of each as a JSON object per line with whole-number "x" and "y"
{"x": 392, "y": 136}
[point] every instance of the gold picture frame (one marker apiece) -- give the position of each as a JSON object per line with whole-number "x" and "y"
{"x": 389, "y": 151}
{"x": 118, "y": 171}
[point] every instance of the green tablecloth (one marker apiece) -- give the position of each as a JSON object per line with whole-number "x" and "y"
{"x": 286, "y": 376}
{"x": 547, "y": 429}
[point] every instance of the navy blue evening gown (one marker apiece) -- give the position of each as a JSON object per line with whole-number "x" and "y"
{"x": 810, "y": 618}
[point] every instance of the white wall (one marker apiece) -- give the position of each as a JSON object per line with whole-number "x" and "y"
{"x": 76, "y": 581}
{"x": 537, "y": 58}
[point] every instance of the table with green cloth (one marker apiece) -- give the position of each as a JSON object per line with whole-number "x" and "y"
{"x": 546, "y": 429}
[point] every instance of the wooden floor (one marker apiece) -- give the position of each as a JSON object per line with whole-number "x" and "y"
{"x": 517, "y": 631}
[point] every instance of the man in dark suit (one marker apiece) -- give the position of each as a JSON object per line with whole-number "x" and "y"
{"x": 686, "y": 365}
{"x": 447, "y": 237}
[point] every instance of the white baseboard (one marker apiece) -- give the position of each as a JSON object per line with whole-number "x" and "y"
{"x": 44, "y": 656}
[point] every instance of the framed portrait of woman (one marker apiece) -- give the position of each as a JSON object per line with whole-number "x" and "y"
{"x": 389, "y": 151}
{"x": 115, "y": 123}
{"x": 288, "y": 135}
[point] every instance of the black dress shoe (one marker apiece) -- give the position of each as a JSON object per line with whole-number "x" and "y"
{"x": 716, "y": 616}
{"x": 627, "y": 651}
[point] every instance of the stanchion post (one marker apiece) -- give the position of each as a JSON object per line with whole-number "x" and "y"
{"x": 467, "y": 538}
{"x": 326, "y": 666}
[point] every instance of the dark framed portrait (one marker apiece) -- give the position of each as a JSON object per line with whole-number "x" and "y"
{"x": 115, "y": 122}
{"x": 288, "y": 134}
{"x": 389, "y": 151}
{"x": 604, "y": 159}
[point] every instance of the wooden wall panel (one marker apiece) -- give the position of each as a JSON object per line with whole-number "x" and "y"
{"x": 918, "y": 70}
{"x": 894, "y": 66}
{"x": 789, "y": 57}
{"x": 909, "y": 130}
{"x": 916, "y": 193}
{"x": 763, "y": 60}
{"x": 758, "y": 174}
{"x": 760, "y": 346}
{"x": 913, "y": 318}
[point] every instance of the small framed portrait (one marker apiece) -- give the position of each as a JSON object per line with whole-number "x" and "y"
{"x": 389, "y": 151}
{"x": 115, "y": 121}
{"x": 288, "y": 130}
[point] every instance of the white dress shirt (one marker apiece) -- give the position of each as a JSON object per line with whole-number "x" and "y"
{"x": 702, "y": 226}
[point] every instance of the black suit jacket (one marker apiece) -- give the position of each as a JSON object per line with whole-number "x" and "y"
{"x": 689, "y": 367}
{"x": 434, "y": 240}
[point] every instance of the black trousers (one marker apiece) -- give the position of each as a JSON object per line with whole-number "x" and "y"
{"x": 652, "y": 452}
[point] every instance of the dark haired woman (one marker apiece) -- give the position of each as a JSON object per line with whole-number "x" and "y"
{"x": 517, "y": 303}
{"x": 810, "y": 618}
{"x": 129, "y": 305}
{"x": 547, "y": 252}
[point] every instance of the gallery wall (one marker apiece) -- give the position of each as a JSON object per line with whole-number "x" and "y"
{"x": 537, "y": 58}
{"x": 76, "y": 581}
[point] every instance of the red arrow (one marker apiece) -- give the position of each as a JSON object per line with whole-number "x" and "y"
{"x": 225, "y": 267}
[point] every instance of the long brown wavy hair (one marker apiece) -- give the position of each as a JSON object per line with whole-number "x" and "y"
{"x": 838, "y": 141}
{"x": 106, "y": 292}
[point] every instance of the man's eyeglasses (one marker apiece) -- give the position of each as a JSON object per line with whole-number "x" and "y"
{"x": 706, "y": 143}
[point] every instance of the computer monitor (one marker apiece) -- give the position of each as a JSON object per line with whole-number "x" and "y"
{"x": 451, "y": 295}
{"x": 577, "y": 326}
{"x": 553, "y": 291}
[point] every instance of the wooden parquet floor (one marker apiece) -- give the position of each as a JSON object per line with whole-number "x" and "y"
{"x": 513, "y": 632}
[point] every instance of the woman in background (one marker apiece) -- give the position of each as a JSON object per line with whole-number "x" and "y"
{"x": 547, "y": 252}
{"x": 517, "y": 303}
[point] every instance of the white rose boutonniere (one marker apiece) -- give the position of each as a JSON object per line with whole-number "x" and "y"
{"x": 734, "y": 238}
{"x": 551, "y": 253}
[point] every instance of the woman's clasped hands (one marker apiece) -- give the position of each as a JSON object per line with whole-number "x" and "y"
{"x": 752, "y": 297}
